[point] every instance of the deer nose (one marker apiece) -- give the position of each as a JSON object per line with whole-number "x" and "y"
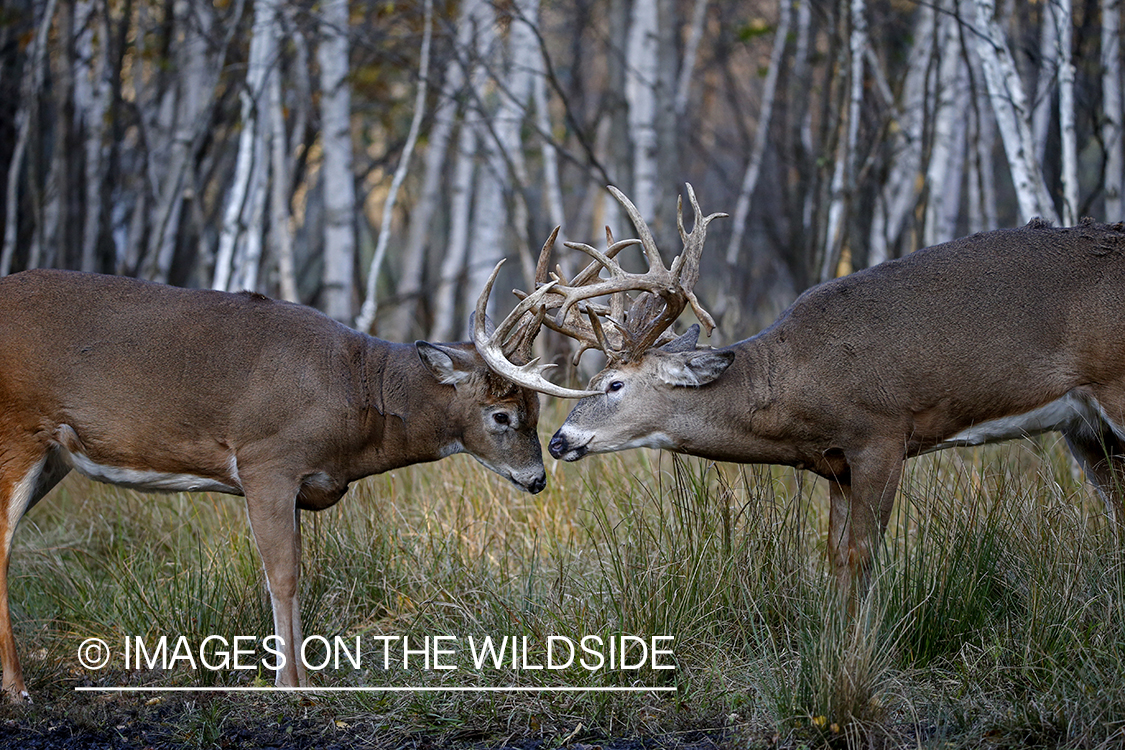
{"x": 557, "y": 446}
{"x": 537, "y": 484}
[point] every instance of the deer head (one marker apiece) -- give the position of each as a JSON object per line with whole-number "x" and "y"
{"x": 645, "y": 359}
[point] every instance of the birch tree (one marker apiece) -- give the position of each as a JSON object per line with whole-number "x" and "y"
{"x": 843, "y": 175}
{"x": 1010, "y": 107}
{"x": 476, "y": 17}
{"x": 641, "y": 75}
{"x": 92, "y": 90}
{"x": 194, "y": 94}
{"x": 370, "y": 303}
{"x": 899, "y": 192}
{"x": 1063, "y": 15}
{"x": 761, "y": 137}
{"x": 943, "y": 173}
{"x": 242, "y": 216}
{"x": 1111, "y": 131}
{"x": 494, "y": 117}
{"x": 30, "y": 90}
{"x": 419, "y": 233}
{"x": 336, "y": 170}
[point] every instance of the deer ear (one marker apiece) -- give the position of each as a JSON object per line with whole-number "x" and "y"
{"x": 448, "y": 364}
{"x": 694, "y": 368}
{"x": 685, "y": 343}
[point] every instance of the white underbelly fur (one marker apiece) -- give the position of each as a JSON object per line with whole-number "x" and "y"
{"x": 1069, "y": 412}
{"x": 141, "y": 479}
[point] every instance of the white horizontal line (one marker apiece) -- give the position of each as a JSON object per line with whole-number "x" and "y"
{"x": 385, "y": 689}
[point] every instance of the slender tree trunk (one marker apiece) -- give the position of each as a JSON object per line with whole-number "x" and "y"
{"x": 31, "y": 89}
{"x": 1010, "y": 107}
{"x": 476, "y": 16}
{"x": 196, "y": 91}
{"x": 1112, "y": 111}
{"x": 445, "y": 298}
{"x": 641, "y": 76}
{"x": 366, "y": 318}
{"x": 948, "y": 151}
{"x": 552, "y": 184}
{"x": 280, "y": 231}
{"x": 899, "y": 193}
{"x": 248, "y": 181}
{"x": 761, "y": 139}
{"x": 1047, "y": 79}
{"x": 1064, "y": 14}
{"x": 691, "y": 53}
{"x": 91, "y": 102}
{"x": 843, "y": 176}
{"x": 490, "y": 211}
{"x": 339, "y": 183}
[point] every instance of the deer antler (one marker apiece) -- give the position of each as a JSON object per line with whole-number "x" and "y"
{"x": 634, "y": 327}
{"x": 664, "y": 292}
{"x": 497, "y": 349}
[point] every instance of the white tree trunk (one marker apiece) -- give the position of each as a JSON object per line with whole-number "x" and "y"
{"x": 900, "y": 192}
{"x": 1010, "y": 107}
{"x": 91, "y": 100}
{"x": 948, "y": 151}
{"x": 691, "y": 53}
{"x": 339, "y": 184}
{"x": 1112, "y": 111}
{"x": 641, "y": 77}
{"x": 761, "y": 137}
{"x": 490, "y": 212}
{"x": 476, "y": 14}
{"x": 370, "y": 307}
{"x": 280, "y": 230}
{"x": 506, "y": 163}
{"x": 1048, "y": 77}
{"x": 30, "y": 90}
{"x": 1064, "y": 16}
{"x": 445, "y": 302}
{"x": 445, "y": 117}
{"x": 249, "y": 177}
{"x": 552, "y": 184}
{"x": 843, "y": 175}
{"x": 196, "y": 91}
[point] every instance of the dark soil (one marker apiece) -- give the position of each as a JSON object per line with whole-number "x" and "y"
{"x": 216, "y": 722}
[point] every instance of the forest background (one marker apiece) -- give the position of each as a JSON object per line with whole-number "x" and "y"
{"x": 376, "y": 158}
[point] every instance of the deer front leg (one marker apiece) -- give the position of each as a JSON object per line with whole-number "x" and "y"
{"x": 860, "y": 509}
{"x": 275, "y": 522}
{"x": 22, "y": 484}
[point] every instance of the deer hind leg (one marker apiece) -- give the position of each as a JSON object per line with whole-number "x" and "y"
{"x": 275, "y": 522}
{"x": 1099, "y": 446}
{"x": 25, "y": 477}
{"x": 861, "y": 505}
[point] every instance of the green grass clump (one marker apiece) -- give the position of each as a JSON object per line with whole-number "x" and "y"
{"x": 996, "y": 614}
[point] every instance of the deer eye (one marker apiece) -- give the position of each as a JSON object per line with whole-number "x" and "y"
{"x": 501, "y": 418}
{"x": 615, "y": 386}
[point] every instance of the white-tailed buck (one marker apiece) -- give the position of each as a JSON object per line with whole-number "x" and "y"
{"x": 1000, "y": 335}
{"x": 158, "y": 388}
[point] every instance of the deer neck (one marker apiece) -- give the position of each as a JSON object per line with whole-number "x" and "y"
{"x": 406, "y": 415}
{"x": 746, "y": 415}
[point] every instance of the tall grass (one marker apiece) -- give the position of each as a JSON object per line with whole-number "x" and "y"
{"x": 996, "y": 613}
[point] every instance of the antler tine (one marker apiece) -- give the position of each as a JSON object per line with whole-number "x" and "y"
{"x": 688, "y": 261}
{"x": 542, "y": 268}
{"x": 617, "y": 301}
{"x": 685, "y": 268}
{"x": 647, "y": 241}
{"x": 590, "y": 272}
{"x": 491, "y": 350}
